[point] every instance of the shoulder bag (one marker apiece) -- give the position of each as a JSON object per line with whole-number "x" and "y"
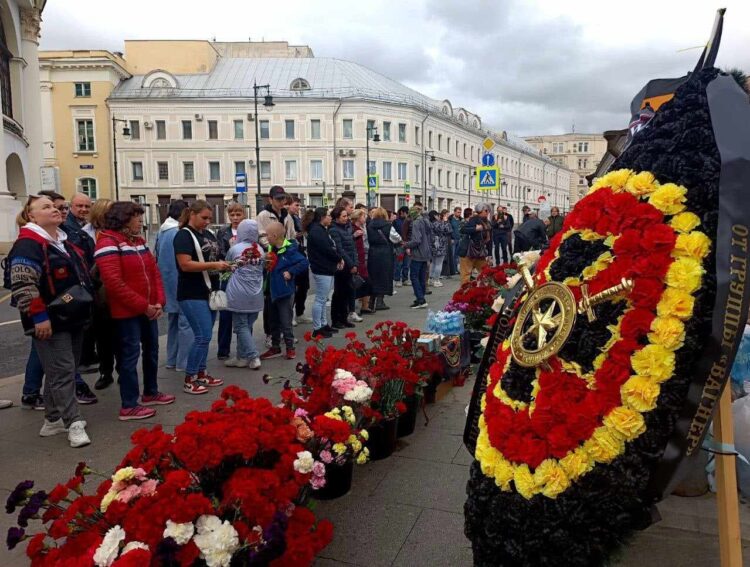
{"x": 217, "y": 300}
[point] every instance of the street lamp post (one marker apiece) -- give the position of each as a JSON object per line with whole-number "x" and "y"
{"x": 375, "y": 139}
{"x": 427, "y": 155}
{"x": 126, "y": 133}
{"x": 269, "y": 104}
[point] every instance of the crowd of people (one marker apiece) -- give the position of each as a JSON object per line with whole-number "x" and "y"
{"x": 90, "y": 291}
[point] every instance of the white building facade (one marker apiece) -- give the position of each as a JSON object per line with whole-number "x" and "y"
{"x": 191, "y": 134}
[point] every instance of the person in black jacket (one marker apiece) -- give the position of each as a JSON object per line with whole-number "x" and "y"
{"x": 341, "y": 232}
{"x": 531, "y": 235}
{"x": 475, "y": 242}
{"x": 226, "y": 237}
{"x": 502, "y": 235}
{"x": 325, "y": 261}
{"x": 302, "y": 281}
{"x": 380, "y": 259}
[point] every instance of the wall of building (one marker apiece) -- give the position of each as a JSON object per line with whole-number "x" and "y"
{"x": 175, "y": 56}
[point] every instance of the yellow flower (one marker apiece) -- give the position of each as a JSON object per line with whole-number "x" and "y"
{"x": 107, "y": 500}
{"x": 685, "y": 274}
{"x": 642, "y": 183}
{"x": 669, "y": 199}
{"x": 361, "y": 459}
{"x": 600, "y": 264}
{"x": 640, "y": 393}
{"x": 125, "y": 473}
{"x": 668, "y": 332}
{"x": 695, "y": 245}
{"x": 654, "y": 361}
{"x": 576, "y": 463}
{"x": 589, "y": 235}
{"x": 352, "y": 439}
{"x": 364, "y": 435}
{"x": 524, "y": 481}
{"x": 685, "y": 222}
{"x": 604, "y": 446}
{"x": 551, "y": 477}
{"x": 616, "y": 180}
{"x": 626, "y": 422}
{"x": 356, "y": 446}
{"x": 334, "y": 414}
{"x": 677, "y": 303}
{"x": 339, "y": 448}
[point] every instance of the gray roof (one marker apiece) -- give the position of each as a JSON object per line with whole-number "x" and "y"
{"x": 328, "y": 78}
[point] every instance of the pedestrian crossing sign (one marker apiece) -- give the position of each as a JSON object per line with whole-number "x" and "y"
{"x": 373, "y": 182}
{"x": 488, "y": 178}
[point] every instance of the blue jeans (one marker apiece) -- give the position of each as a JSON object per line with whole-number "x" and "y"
{"x": 134, "y": 335}
{"x": 34, "y": 376}
{"x": 201, "y": 320}
{"x": 401, "y": 268}
{"x": 225, "y": 328}
{"x": 179, "y": 339}
{"x": 437, "y": 267}
{"x": 243, "y": 328}
{"x": 323, "y": 285}
{"x": 419, "y": 279}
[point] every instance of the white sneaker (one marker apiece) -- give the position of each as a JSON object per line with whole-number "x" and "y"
{"x": 51, "y": 428}
{"x": 429, "y": 282}
{"x": 294, "y": 321}
{"x": 437, "y": 283}
{"x": 398, "y": 284}
{"x": 254, "y": 364}
{"x": 77, "y": 434}
{"x": 304, "y": 319}
{"x": 354, "y": 318}
{"x": 269, "y": 341}
{"x": 394, "y": 292}
{"x": 232, "y": 362}
{"x": 242, "y": 363}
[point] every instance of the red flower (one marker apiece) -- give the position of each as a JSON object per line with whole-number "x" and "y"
{"x": 400, "y": 408}
{"x": 134, "y": 558}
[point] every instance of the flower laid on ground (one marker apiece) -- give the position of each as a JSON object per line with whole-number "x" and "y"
{"x": 475, "y": 298}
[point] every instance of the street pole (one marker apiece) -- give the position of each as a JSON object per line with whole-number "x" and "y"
{"x": 470, "y": 172}
{"x": 258, "y": 198}
{"x": 367, "y": 164}
{"x": 114, "y": 153}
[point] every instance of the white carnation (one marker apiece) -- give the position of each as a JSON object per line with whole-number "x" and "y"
{"x": 107, "y": 552}
{"x": 304, "y": 462}
{"x": 341, "y": 374}
{"x": 359, "y": 394}
{"x": 216, "y": 540}
{"x": 181, "y": 533}
{"x": 133, "y": 545}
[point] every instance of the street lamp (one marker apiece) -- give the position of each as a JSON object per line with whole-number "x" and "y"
{"x": 126, "y": 133}
{"x": 375, "y": 138}
{"x": 427, "y": 154}
{"x": 268, "y": 104}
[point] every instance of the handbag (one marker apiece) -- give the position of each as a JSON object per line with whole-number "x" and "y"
{"x": 217, "y": 300}
{"x": 72, "y": 305}
{"x": 357, "y": 281}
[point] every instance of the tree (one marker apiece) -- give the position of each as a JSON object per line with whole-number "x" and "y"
{"x": 741, "y": 77}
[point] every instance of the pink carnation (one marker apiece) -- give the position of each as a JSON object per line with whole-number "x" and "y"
{"x": 319, "y": 469}
{"x": 318, "y": 482}
{"x": 325, "y": 456}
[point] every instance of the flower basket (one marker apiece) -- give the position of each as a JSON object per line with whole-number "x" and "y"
{"x": 407, "y": 421}
{"x": 338, "y": 481}
{"x": 382, "y": 441}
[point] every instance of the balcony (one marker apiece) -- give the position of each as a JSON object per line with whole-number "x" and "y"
{"x": 13, "y": 127}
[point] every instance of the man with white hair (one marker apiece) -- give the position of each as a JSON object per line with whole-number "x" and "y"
{"x": 476, "y": 238}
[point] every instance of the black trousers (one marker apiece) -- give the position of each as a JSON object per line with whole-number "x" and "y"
{"x": 302, "y": 283}
{"x": 342, "y": 296}
{"x": 503, "y": 244}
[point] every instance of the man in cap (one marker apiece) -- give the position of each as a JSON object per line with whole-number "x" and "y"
{"x": 275, "y": 211}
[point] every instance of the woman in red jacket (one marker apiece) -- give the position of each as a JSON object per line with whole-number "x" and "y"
{"x": 135, "y": 296}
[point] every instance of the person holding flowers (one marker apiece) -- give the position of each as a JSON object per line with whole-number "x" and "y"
{"x": 245, "y": 292}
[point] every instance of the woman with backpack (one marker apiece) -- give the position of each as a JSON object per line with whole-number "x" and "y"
{"x": 51, "y": 286}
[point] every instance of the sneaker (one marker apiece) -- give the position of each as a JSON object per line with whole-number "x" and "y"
{"x": 175, "y": 369}
{"x": 77, "y": 434}
{"x": 405, "y": 283}
{"x": 398, "y": 284}
{"x": 170, "y": 366}
{"x": 32, "y": 402}
{"x": 231, "y": 362}
{"x": 329, "y": 329}
{"x": 194, "y": 386}
{"x": 294, "y": 321}
{"x": 304, "y": 319}
{"x": 354, "y": 318}
{"x": 104, "y": 381}
{"x": 222, "y": 357}
{"x": 428, "y": 292}
{"x": 51, "y": 428}
{"x": 273, "y": 352}
{"x": 84, "y": 395}
{"x": 269, "y": 341}
{"x": 5, "y": 404}
{"x": 394, "y": 292}
{"x": 322, "y": 333}
{"x": 291, "y": 354}
{"x": 138, "y": 412}
{"x": 421, "y": 305}
{"x": 241, "y": 363}
{"x": 209, "y": 380}
{"x": 254, "y": 364}
{"x": 429, "y": 282}
{"x": 158, "y": 399}
{"x": 348, "y": 324}
{"x": 437, "y": 283}
{"x": 337, "y": 326}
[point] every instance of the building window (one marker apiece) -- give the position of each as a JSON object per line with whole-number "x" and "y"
{"x": 289, "y": 129}
{"x": 85, "y": 135}
{"x": 187, "y": 130}
{"x": 440, "y": 178}
{"x": 456, "y": 147}
{"x": 239, "y": 167}
{"x": 348, "y": 129}
{"x": 348, "y": 168}
{"x": 87, "y": 186}
{"x": 84, "y": 90}
{"x": 5, "y": 90}
{"x": 402, "y": 132}
{"x": 214, "y": 171}
{"x": 213, "y": 130}
{"x": 429, "y": 139}
{"x": 417, "y": 139}
{"x": 402, "y": 171}
{"x": 316, "y": 169}
{"x": 440, "y": 142}
{"x": 372, "y": 167}
{"x": 161, "y": 130}
{"x": 472, "y": 153}
{"x": 416, "y": 174}
{"x": 456, "y": 184}
{"x": 163, "y": 169}
{"x": 290, "y": 170}
{"x": 239, "y": 130}
{"x": 135, "y": 130}
{"x": 300, "y": 85}
{"x": 265, "y": 170}
{"x": 386, "y": 131}
{"x": 188, "y": 171}
{"x": 387, "y": 171}
{"x": 137, "y": 170}
{"x": 464, "y": 150}
{"x": 448, "y": 145}
{"x": 448, "y": 179}
{"x": 315, "y": 129}
{"x": 370, "y": 129}
{"x": 265, "y": 130}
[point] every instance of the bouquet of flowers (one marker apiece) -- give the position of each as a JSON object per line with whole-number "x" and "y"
{"x": 475, "y": 298}
{"x": 251, "y": 256}
{"x": 221, "y": 490}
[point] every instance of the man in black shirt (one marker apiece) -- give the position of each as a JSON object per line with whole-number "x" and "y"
{"x": 531, "y": 235}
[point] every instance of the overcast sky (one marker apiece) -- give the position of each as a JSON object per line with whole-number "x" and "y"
{"x": 529, "y": 67}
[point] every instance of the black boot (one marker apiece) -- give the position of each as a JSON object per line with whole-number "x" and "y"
{"x": 380, "y": 304}
{"x": 104, "y": 381}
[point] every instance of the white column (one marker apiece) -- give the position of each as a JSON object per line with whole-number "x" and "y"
{"x": 32, "y": 116}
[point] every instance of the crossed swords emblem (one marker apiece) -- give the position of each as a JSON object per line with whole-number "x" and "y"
{"x": 548, "y": 314}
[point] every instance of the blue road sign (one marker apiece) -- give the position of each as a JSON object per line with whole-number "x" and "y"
{"x": 240, "y": 183}
{"x": 487, "y": 178}
{"x": 488, "y": 160}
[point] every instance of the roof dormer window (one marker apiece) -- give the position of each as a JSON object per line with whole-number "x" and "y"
{"x": 300, "y": 85}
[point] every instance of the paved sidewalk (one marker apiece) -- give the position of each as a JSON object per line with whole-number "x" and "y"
{"x": 403, "y": 511}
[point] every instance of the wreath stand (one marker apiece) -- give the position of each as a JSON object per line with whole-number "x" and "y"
{"x": 730, "y": 544}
